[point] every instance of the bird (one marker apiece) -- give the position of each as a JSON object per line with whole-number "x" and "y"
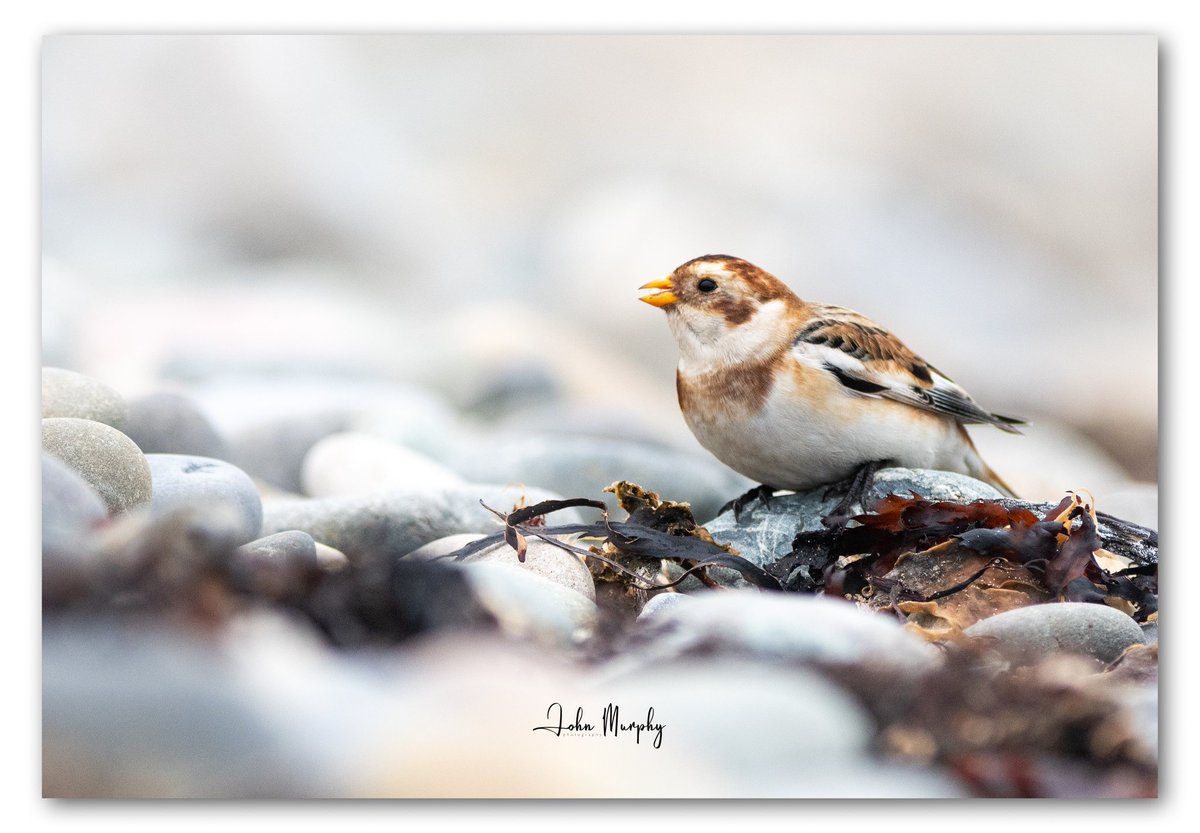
{"x": 795, "y": 394}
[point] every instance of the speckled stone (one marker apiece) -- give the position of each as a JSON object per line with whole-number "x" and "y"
{"x": 106, "y": 459}
{"x": 1028, "y": 634}
{"x": 66, "y": 393}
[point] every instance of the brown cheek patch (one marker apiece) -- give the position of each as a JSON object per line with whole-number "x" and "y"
{"x": 734, "y": 310}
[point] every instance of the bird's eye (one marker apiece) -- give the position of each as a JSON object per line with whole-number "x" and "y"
{"x": 707, "y": 285}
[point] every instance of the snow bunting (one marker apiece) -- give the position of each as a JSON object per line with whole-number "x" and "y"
{"x": 795, "y": 394}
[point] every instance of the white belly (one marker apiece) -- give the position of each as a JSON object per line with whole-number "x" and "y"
{"x": 794, "y": 444}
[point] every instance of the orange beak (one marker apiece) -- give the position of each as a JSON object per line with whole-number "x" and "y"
{"x": 662, "y": 296}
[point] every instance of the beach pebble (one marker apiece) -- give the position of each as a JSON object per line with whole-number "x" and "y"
{"x": 69, "y": 505}
{"x": 71, "y": 509}
{"x": 182, "y": 480}
{"x": 529, "y": 606}
{"x": 1028, "y": 634}
{"x": 277, "y": 566}
{"x": 106, "y": 459}
{"x": 784, "y": 626}
{"x": 330, "y": 560}
{"x": 348, "y": 463}
{"x": 66, "y": 393}
{"x": 170, "y": 423}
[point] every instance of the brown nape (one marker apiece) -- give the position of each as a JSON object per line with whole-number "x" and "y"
{"x": 729, "y": 390}
{"x": 763, "y": 285}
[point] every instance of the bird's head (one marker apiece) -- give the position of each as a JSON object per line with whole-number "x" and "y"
{"x": 721, "y": 304}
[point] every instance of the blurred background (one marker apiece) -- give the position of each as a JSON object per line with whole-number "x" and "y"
{"x": 472, "y": 215}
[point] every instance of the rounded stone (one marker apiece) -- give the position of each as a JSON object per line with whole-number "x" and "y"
{"x": 277, "y": 566}
{"x": 106, "y": 459}
{"x": 329, "y": 559}
{"x": 66, "y": 393}
{"x": 169, "y": 423}
{"x": 529, "y": 606}
{"x": 1028, "y": 634}
{"x": 348, "y": 463}
{"x": 541, "y": 558}
{"x": 70, "y": 511}
{"x": 786, "y": 626}
{"x": 69, "y": 504}
{"x": 182, "y": 480}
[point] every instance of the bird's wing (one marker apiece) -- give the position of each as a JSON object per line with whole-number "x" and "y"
{"x": 870, "y": 361}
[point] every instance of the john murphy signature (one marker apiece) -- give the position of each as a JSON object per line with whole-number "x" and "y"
{"x": 611, "y": 725}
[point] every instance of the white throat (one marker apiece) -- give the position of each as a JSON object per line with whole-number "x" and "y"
{"x": 706, "y": 340}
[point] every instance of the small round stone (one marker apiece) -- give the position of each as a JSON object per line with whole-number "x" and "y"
{"x": 169, "y": 423}
{"x": 277, "y": 566}
{"x": 181, "y": 480}
{"x": 1028, "y": 634}
{"x": 66, "y": 393}
{"x": 106, "y": 459}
